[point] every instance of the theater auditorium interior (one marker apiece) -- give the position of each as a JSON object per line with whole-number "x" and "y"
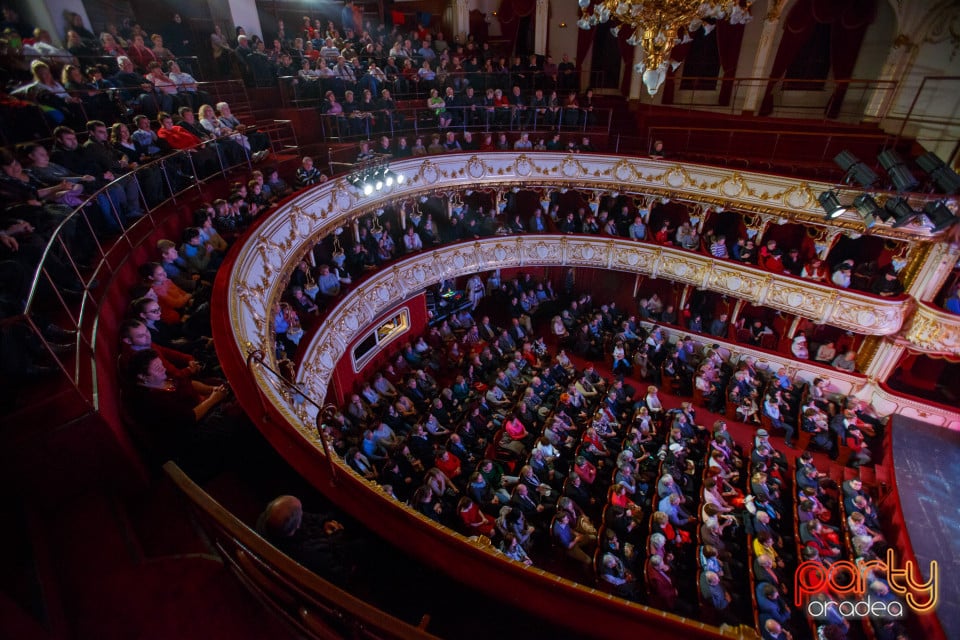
{"x": 416, "y": 318}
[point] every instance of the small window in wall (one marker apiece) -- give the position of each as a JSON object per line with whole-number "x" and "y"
{"x": 380, "y": 336}
{"x": 810, "y": 68}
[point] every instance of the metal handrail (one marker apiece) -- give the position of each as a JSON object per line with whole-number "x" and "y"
{"x": 412, "y": 120}
{"x": 324, "y": 412}
{"x": 86, "y": 344}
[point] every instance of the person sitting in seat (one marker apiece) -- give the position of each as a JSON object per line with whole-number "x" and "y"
{"x": 317, "y": 541}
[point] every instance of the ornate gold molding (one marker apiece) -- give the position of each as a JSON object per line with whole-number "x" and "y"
{"x": 933, "y": 330}
{"x": 780, "y": 197}
{"x": 261, "y": 268}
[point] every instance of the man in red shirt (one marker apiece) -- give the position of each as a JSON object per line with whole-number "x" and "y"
{"x": 179, "y": 138}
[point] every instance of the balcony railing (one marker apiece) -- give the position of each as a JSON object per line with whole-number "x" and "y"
{"x": 263, "y": 266}
{"x": 791, "y": 98}
{"x": 309, "y": 605}
{"x": 46, "y": 297}
{"x": 933, "y": 331}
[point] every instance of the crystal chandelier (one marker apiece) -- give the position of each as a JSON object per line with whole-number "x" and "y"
{"x": 658, "y": 26}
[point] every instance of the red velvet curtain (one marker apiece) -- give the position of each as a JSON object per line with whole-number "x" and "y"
{"x": 679, "y": 54}
{"x": 626, "y": 53}
{"x": 585, "y": 38}
{"x": 729, "y": 43}
{"x": 849, "y": 20}
{"x": 846, "y": 39}
{"x": 510, "y": 13}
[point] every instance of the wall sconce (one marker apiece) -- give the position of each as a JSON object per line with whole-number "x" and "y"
{"x": 562, "y": 25}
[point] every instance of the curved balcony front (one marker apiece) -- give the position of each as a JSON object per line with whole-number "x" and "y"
{"x": 256, "y": 276}
{"x": 933, "y": 331}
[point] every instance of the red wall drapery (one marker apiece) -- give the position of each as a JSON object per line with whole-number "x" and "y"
{"x": 679, "y": 54}
{"x": 849, "y": 20}
{"x": 585, "y": 38}
{"x": 729, "y": 43}
{"x": 509, "y": 13}
{"x": 626, "y": 53}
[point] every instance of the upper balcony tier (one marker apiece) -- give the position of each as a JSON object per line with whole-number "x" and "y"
{"x": 782, "y": 198}
{"x": 288, "y": 234}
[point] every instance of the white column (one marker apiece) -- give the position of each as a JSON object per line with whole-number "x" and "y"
{"x": 763, "y": 61}
{"x": 461, "y": 18}
{"x": 244, "y": 14}
{"x": 49, "y": 15}
{"x": 936, "y": 268}
{"x": 540, "y": 27}
{"x": 899, "y": 60}
{"x": 884, "y": 360}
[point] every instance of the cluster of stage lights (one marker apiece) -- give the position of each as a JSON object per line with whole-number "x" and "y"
{"x": 895, "y": 210}
{"x": 372, "y": 176}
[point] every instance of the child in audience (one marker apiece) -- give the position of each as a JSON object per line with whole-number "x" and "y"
{"x": 257, "y": 176}
{"x": 307, "y": 174}
{"x": 176, "y": 267}
{"x": 256, "y": 197}
{"x": 278, "y": 188}
{"x": 203, "y": 220}
{"x": 198, "y": 256}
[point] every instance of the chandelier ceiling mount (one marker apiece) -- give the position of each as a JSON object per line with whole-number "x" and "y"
{"x": 659, "y": 25}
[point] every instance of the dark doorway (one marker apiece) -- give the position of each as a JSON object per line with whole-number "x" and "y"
{"x": 701, "y": 67}
{"x": 525, "y": 36}
{"x": 606, "y": 62}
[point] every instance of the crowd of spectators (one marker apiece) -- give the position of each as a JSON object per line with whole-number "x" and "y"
{"x": 173, "y": 387}
{"x": 124, "y": 71}
{"x": 409, "y": 227}
{"x": 487, "y": 430}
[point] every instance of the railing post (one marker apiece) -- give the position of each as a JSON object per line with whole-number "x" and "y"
{"x": 324, "y": 412}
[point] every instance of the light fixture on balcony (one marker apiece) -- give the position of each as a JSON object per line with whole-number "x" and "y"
{"x": 868, "y": 208}
{"x": 658, "y": 26}
{"x": 856, "y": 169}
{"x": 830, "y": 201}
{"x": 901, "y": 176}
{"x": 940, "y": 216}
{"x": 373, "y": 175}
{"x": 945, "y": 177}
{"x": 899, "y": 211}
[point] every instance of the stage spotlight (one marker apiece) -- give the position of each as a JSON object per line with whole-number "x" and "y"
{"x": 898, "y": 210}
{"x": 367, "y": 188}
{"x": 830, "y": 202}
{"x": 902, "y": 178}
{"x": 855, "y": 169}
{"x": 939, "y": 215}
{"x": 388, "y": 179}
{"x": 868, "y": 208}
{"x": 400, "y": 178}
{"x": 378, "y": 184}
{"x": 945, "y": 177}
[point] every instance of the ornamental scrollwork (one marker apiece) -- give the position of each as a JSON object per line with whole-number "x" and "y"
{"x": 934, "y": 330}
